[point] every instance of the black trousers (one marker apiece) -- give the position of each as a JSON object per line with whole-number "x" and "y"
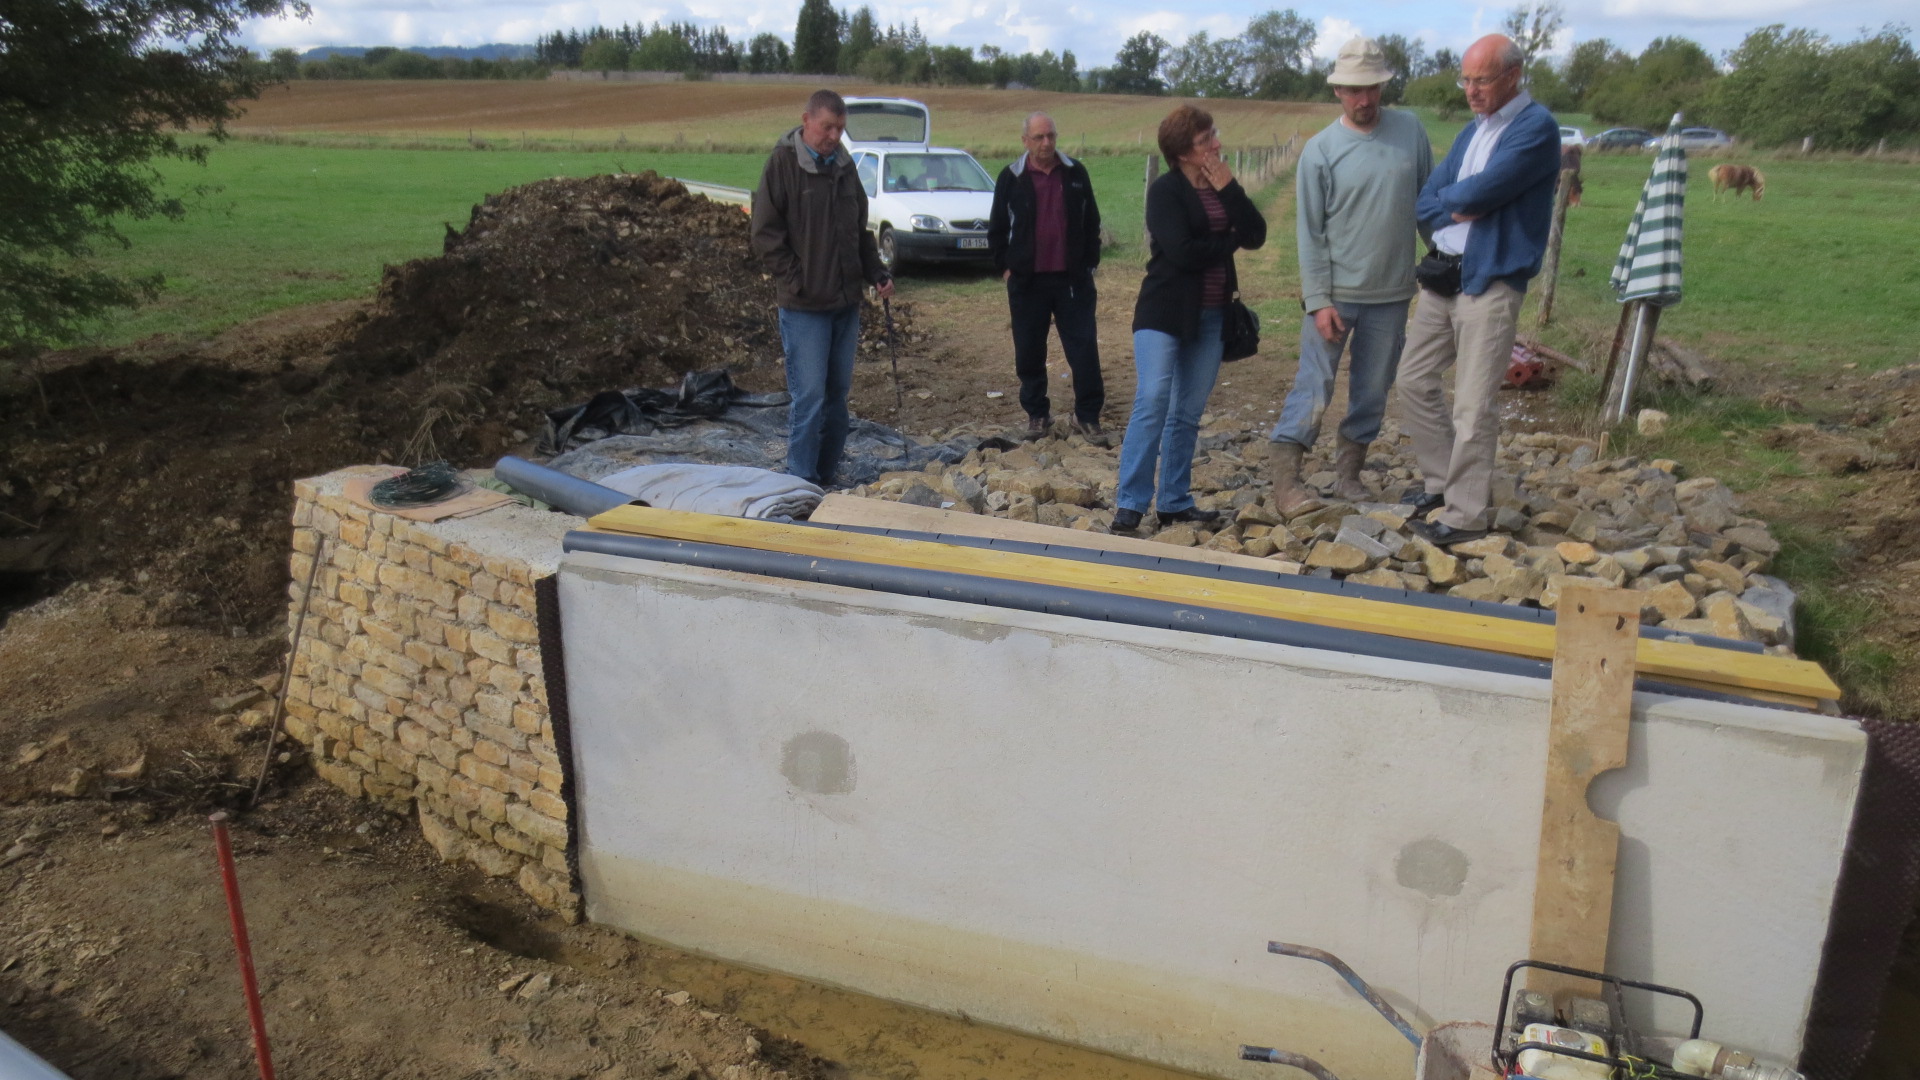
{"x": 1036, "y": 302}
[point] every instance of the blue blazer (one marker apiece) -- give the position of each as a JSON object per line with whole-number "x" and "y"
{"x": 1513, "y": 195}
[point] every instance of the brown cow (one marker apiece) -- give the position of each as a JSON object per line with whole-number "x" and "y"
{"x": 1739, "y": 178}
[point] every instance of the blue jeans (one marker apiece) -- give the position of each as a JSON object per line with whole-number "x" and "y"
{"x": 1375, "y": 335}
{"x": 1173, "y": 378}
{"x": 819, "y": 347}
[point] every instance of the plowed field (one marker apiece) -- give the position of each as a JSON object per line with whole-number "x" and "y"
{"x": 729, "y": 114}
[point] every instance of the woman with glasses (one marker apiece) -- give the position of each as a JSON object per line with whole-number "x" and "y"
{"x": 1198, "y": 215}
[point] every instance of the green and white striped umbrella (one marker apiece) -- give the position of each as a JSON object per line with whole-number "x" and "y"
{"x": 1649, "y": 264}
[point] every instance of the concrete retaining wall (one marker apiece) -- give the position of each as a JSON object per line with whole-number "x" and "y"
{"x": 420, "y": 678}
{"x": 1090, "y": 831}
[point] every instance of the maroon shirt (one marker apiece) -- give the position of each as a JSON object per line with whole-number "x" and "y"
{"x": 1049, "y": 220}
{"x": 1213, "y": 280}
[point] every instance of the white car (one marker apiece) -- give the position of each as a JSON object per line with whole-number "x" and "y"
{"x": 924, "y": 203}
{"x": 1572, "y": 136}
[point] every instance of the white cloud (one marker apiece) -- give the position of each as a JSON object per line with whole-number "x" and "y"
{"x": 1094, "y": 32}
{"x": 1745, "y": 12}
{"x": 1333, "y": 33}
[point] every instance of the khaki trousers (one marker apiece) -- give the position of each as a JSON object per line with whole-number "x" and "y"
{"x": 1455, "y": 448}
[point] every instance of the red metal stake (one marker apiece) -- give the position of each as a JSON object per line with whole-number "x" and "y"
{"x": 224, "y": 845}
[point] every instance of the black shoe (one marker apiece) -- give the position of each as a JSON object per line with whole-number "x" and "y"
{"x": 1422, "y": 500}
{"x": 1440, "y": 535}
{"x": 1089, "y": 428}
{"x": 1125, "y": 520}
{"x": 1193, "y": 514}
{"x": 1038, "y": 425}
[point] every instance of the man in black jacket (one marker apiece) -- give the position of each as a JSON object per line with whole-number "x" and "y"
{"x": 810, "y": 233}
{"x": 1045, "y": 239}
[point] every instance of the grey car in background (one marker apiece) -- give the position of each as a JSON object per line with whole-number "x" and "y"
{"x": 1699, "y": 138}
{"x": 1621, "y": 138}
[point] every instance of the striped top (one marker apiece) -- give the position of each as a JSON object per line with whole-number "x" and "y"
{"x": 1213, "y": 280}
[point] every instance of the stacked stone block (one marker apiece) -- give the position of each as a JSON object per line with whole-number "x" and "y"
{"x": 419, "y": 681}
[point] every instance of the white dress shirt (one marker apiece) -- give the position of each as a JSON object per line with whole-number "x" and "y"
{"x": 1453, "y": 239}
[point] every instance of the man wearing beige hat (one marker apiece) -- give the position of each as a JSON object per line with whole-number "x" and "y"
{"x": 1356, "y": 186}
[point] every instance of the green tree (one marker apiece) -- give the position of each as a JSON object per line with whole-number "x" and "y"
{"x": 605, "y": 54}
{"x": 816, "y": 39}
{"x": 1789, "y": 84}
{"x": 1549, "y": 87}
{"x": 1440, "y": 92}
{"x": 863, "y": 33}
{"x": 1278, "y": 51}
{"x": 1206, "y": 68}
{"x": 91, "y": 93}
{"x": 1533, "y": 27}
{"x": 662, "y": 50}
{"x": 1136, "y": 70}
{"x": 1590, "y": 63}
{"x": 1670, "y": 76}
{"x": 1405, "y": 59}
{"x": 768, "y": 55}
{"x": 285, "y": 64}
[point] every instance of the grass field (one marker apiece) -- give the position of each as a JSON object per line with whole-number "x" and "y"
{"x": 1820, "y": 272}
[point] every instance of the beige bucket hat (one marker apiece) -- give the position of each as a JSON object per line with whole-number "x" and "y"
{"x": 1361, "y": 63}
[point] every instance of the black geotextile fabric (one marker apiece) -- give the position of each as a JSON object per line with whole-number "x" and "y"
{"x": 709, "y": 420}
{"x": 1873, "y": 905}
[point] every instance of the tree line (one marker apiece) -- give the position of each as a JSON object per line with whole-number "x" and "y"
{"x": 386, "y": 62}
{"x": 1780, "y": 86}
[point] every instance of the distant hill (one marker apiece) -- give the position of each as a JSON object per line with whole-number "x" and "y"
{"x": 459, "y": 52}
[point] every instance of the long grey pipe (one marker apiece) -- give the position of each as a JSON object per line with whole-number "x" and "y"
{"x": 581, "y": 498}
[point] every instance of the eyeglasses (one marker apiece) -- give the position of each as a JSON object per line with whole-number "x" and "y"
{"x": 1213, "y": 133}
{"x": 1482, "y": 81}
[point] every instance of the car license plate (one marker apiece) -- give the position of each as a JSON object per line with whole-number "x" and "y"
{"x": 973, "y": 242}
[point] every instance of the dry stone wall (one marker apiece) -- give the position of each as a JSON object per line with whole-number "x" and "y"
{"x": 420, "y": 680}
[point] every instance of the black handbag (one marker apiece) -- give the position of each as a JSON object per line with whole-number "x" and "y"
{"x": 1439, "y": 274}
{"x": 1239, "y": 331}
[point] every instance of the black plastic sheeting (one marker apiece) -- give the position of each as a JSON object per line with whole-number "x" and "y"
{"x": 1873, "y": 909}
{"x": 1079, "y": 603}
{"x": 709, "y": 420}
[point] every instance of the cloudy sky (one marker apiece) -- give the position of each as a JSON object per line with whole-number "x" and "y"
{"x": 1093, "y": 29}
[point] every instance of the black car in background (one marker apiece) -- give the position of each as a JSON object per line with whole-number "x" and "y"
{"x": 1620, "y": 139}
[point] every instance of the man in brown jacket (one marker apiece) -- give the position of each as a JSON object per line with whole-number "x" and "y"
{"x": 810, "y": 232}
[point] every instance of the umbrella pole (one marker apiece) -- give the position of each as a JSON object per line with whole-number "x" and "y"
{"x": 1643, "y": 326}
{"x": 1608, "y": 372}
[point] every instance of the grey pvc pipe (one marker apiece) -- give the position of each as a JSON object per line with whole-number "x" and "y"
{"x": 1080, "y": 603}
{"x": 19, "y": 1063}
{"x": 581, "y": 498}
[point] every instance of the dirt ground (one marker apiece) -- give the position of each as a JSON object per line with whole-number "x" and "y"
{"x": 123, "y": 669}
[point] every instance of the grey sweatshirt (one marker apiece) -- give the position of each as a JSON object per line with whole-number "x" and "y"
{"x": 1357, "y": 227}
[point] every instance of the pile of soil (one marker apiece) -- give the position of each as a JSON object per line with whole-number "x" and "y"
{"x": 169, "y": 470}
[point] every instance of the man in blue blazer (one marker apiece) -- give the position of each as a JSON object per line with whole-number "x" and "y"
{"x": 1488, "y": 206}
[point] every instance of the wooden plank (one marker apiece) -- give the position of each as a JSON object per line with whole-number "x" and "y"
{"x": 843, "y": 509}
{"x": 1733, "y": 671}
{"x": 1592, "y": 704}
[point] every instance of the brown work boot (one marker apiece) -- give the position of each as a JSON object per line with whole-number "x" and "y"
{"x": 1290, "y": 496}
{"x": 1348, "y": 460}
